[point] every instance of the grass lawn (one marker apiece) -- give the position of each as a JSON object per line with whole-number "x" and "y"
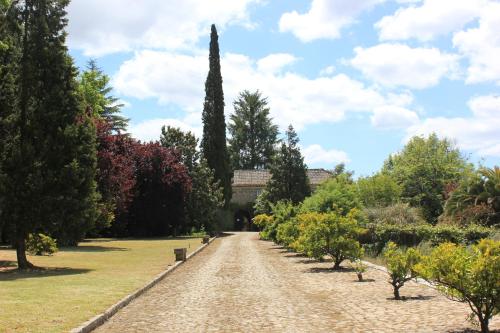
{"x": 79, "y": 282}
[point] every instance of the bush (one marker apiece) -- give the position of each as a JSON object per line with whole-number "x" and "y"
{"x": 398, "y": 214}
{"x": 401, "y": 265}
{"x": 283, "y": 211}
{"x": 40, "y": 244}
{"x": 470, "y": 275}
{"x": 330, "y": 234}
{"x": 359, "y": 267}
{"x": 263, "y": 221}
{"x": 287, "y": 233}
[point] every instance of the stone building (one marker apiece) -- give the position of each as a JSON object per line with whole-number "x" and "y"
{"x": 248, "y": 184}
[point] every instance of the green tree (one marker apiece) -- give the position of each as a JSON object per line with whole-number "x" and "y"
{"x": 379, "y": 190}
{"x": 337, "y": 194}
{"x": 206, "y": 196}
{"x": 469, "y": 275}
{"x": 253, "y": 136}
{"x": 330, "y": 234}
{"x": 95, "y": 89}
{"x": 476, "y": 199}
{"x": 424, "y": 168}
{"x": 288, "y": 173}
{"x": 402, "y": 265}
{"x": 213, "y": 143}
{"x": 48, "y": 170}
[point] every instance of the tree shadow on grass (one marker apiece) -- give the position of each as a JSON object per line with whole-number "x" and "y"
{"x": 40, "y": 272}
{"x": 93, "y": 248}
{"x": 329, "y": 270}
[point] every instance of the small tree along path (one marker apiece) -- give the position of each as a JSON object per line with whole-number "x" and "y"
{"x": 242, "y": 284}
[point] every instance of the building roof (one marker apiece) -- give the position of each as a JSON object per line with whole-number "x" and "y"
{"x": 261, "y": 177}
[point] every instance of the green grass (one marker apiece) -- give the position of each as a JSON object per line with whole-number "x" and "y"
{"x": 79, "y": 282}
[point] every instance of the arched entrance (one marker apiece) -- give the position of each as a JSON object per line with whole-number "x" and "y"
{"x": 242, "y": 220}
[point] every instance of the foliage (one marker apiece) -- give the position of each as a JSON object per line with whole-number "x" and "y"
{"x": 40, "y": 244}
{"x": 337, "y": 194}
{"x": 288, "y": 173}
{"x": 469, "y": 275}
{"x": 162, "y": 184}
{"x": 205, "y": 198}
{"x": 476, "y": 199}
{"x": 49, "y": 164}
{"x": 423, "y": 169}
{"x": 359, "y": 267}
{"x": 262, "y": 204}
{"x": 379, "y": 235}
{"x": 401, "y": 265}
{"x": 379, "y": 190}
{"x": 95, "y": 89}
{"x": 253, "y": 136}
{"x": 287, "y": 233}
{"x": 282, "y": 212}
{"x": 330, "y": 234}
{"x": 213, "y": 143}
{"x": 399, "y": 214}
{"x": 262, "y": 220}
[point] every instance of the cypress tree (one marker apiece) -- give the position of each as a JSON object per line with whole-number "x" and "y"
{"x": 50, "y": 153}
{"x": 288, "y": 173}
{"x": 213, "y": 143}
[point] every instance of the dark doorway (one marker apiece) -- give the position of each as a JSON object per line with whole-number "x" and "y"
{"x": 242, "y": 220}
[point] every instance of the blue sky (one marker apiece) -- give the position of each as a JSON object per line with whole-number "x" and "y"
{"x": 355, "y": 78}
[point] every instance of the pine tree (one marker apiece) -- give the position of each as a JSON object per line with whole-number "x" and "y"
{"x": 253, "y": 136}
{"x": 288, "y": 172}
{"x": 95, "y": 88}
{"x": 50, "y": 152}
{"x": 214, "y": 126}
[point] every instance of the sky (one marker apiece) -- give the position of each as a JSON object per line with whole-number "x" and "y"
{"x": 356, "y": 79}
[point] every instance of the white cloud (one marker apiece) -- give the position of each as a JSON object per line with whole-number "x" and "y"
{"x": 317, "y": 155}
{"x": 429, "y": 20}
{"x": 393, "y": 117}
{"x": 327, "y": 71}
{"x": 482, "y": 46}
{"x": 400, "y": 65}
{"x": 274, "y": 63}
{"x": 179, "y": 79}
{"x": 325, "y": 18}
{"x": 150, "y": 130}
{"x": 479, "y": 133}
{"x": 102, "y": 27}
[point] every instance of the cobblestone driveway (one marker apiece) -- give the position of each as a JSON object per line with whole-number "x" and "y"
{"x": 242, "y": 284}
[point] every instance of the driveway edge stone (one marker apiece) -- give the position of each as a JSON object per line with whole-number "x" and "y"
{"x": 100, "y": 319}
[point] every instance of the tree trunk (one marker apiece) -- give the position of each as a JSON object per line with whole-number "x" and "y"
{"x": 360, "y": 277}
{"x": 336, "y": 265}
{"x": 22, "y": 261}
{"x": 484, "y": 324}
{"x": 396, "y": 293}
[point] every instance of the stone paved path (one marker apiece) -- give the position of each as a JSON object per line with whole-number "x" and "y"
{"x": 242, "y": 284}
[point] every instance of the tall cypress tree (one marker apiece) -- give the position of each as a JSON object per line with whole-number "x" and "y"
{"x": 213, "y": 143}
{"x": 288, "y": 172}
{"x": 50, "y": 153}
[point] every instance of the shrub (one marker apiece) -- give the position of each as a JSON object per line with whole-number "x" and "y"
{"x": 470, "y": 275}
{"x": 330, "y": 234}
{"x": 359, "y": 267}
{"x": 263, "y": 222}
{"x": 401, "y": 265}
{"x": 398, "y": 214}
{"x": 283, "y": 211}
{"x": 40, "y": 244}
{"x": 378, "y": 190}
{"x": 287, "y": 233}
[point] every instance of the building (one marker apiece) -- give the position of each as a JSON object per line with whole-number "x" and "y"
{"x": 248, "y": 184}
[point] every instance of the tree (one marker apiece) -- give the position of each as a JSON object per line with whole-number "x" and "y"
{"x": 95, "y": 89}
{"x": 253, "y": 136}
{"x": 424, "y": 168}
{"x": 213, "y": 143}
{"x": 469, "y": 275}
{"x": 206, "y": 195}
{"x": 50, "y": 157}
{"x": 288, "y": 172}
{"x": 401, "y": 265}
{"x": 476, "y": 199}
{"x": 379, "y": 190}
{"x": 330, "y": 234}
{"x": 336, "y": 194}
